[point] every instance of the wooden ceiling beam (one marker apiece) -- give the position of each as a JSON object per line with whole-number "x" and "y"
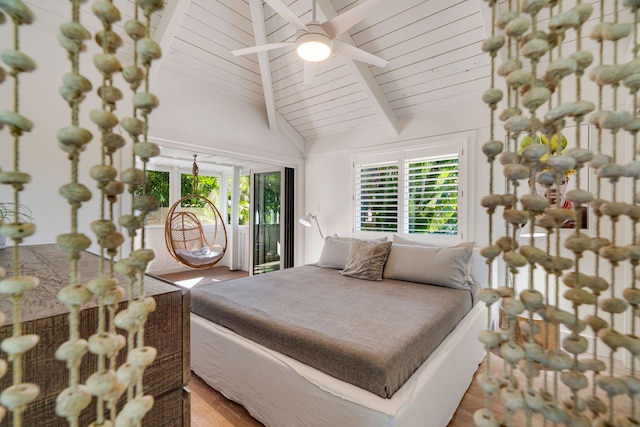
{"x": 276, "y": 121}
{"x": 363, "y": 75}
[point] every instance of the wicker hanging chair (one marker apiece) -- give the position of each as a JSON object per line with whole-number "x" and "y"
{"x": 185, "y": 235}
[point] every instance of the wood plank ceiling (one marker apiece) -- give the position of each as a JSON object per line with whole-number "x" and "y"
{"x": 433, "y": 49}
{"x": 50, "y": 14}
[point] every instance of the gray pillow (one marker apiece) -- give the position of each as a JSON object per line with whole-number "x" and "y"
{"x": 431, "y": 265}
{"x": 366, "y": 259}
{"x": 469, "y": 245}
{"x": 334, "y": 252}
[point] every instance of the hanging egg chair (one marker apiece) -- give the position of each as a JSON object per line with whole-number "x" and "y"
{"x": 185, "y": 235}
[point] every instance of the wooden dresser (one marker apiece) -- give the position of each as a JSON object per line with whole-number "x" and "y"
{"x": 167, "y": 329}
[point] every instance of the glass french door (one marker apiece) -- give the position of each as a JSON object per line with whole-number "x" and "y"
{"x": 271, "y": 220}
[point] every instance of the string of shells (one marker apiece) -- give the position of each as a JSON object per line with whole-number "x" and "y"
{"x": 133, "y": 318}
{"x": 574, "y": 281}
{"x": 109, "y": 382}
{"x": 73, "y": 140}
{"x": 106, "y": 343}
{"x": 14, "y": 285}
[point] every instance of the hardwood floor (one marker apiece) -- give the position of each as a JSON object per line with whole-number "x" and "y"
{"x": 209, "y": 408}
{"x": 204, "y": 276}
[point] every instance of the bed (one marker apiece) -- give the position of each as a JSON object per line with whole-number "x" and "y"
{"x": 317, "y": 346}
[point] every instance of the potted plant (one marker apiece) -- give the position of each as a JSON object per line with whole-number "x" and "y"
{"x": 8, "y": 212}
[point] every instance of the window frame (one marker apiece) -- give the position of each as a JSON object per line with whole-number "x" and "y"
{"x": 175, "y": 184}
{"x": 401, "y": 153}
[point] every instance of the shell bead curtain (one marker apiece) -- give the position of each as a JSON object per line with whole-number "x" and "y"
{"x": 14, "y": 284}
{"x": 563, "y": 104}
{"x": 109, "y": 382}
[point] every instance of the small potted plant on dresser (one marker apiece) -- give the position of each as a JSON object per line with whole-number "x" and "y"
{"x": 8, "y": 212}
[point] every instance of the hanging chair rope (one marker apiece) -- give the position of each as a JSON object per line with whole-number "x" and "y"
{"x": 185, "y": 235}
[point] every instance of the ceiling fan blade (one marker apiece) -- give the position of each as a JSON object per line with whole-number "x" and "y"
{"x": 282, "y": 10}
{"x": 341, "y": 23}
{"x": 309, "y": 72}
{"x": 261, "y": 48}
{"x": 345, "y": 49}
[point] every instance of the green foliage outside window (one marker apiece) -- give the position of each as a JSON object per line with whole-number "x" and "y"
{"x": 433, "y": 197}
{"x": 208, "y": 187}
{"x": 269, "y": 192}
{"x": 157, "y": 184}
{"x": 244, "y": 202}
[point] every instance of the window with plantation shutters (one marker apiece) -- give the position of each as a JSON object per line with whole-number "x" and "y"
{"x": 376, "y": 196}
{"x": 412, "y": 191}
{"x": 431, "y": 195}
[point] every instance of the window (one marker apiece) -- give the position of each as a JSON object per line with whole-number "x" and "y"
{"x": 431, "y": 195}
{"x": 208, "y": 187}
{"x": 377, "y": 196}
{"x": 413, "y": 191}
{"x": 157, "y": 184}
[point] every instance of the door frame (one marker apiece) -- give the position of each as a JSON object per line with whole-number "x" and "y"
{"x": 252, "y": 204}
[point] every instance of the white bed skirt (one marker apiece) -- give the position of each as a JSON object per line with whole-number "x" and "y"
{"x": 282, "y": 392}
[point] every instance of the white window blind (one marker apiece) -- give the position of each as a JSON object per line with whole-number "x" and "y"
{"x": 412, "y": 191}
{"x": 376, "y": 196}
{"x": 431, "y": 195}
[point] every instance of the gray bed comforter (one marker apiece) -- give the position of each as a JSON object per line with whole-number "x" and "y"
{"x": 370, "y": 334}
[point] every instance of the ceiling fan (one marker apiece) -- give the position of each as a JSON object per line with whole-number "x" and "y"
{"x": 315, "y": 41}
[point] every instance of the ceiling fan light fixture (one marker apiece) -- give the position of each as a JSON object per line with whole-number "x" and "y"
{"x": 314, "y": 46}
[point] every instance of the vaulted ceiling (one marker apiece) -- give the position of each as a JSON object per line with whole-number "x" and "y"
{"x": 433, "y": 49}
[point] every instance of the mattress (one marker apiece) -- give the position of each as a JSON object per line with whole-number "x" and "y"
{"x": 371, "y": 334}
{"x": 281, "y": 392}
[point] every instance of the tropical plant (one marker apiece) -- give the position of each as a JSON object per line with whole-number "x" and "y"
{"x": 244, "y": 202}
{"x": 208, "y": 187}
{"x": 156, "y": 184}
{"x": 433, "y": 205}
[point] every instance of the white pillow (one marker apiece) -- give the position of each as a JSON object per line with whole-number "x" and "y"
{"x": 469, "y": 245}
{"x": 404, "y": 241}
{"x": 440, "y": 266}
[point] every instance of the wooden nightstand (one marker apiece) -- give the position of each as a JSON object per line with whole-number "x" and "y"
{"x": 167, "y": 329}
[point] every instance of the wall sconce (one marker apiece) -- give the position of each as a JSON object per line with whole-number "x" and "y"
{"x": 306, "y": 221}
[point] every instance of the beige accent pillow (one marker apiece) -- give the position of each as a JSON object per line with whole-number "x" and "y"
{"x": 440, "y": 266}
{"x": 366, "y": 259}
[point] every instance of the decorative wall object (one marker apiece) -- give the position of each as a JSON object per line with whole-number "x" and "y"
{"x": 576, "y": 287}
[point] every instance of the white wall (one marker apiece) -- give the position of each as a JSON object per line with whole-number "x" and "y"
{"x": 40, "y": 154}
{"x": 190, "y": 115}
{"x": 328, "y": 167}
{"x": 195, "y": 114}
